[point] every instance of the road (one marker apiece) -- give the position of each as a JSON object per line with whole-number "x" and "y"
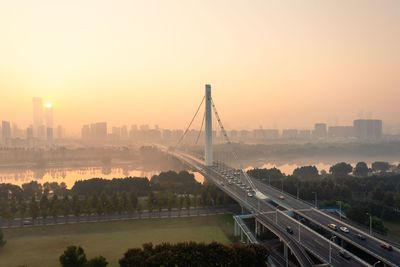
{"x": 372, "y": 245}
{"x": 175, "y": 213}
{"x": 311, "y": 240}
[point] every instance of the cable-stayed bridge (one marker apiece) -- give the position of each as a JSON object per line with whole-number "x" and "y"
{"x": 306, "y": 232}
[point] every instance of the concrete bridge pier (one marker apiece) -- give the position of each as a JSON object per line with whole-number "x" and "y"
{"x": 286, "y": 254}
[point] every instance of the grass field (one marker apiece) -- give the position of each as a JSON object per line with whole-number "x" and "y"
{"x": 42, "y": 246}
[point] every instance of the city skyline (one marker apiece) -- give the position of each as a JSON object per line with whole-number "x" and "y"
{"x": 147, "y": 62}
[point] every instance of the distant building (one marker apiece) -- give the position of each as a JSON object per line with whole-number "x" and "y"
{"x": 304, "y": 134}
{"x": 341, "y": 132}
{"x": 289, "y": 133}
{"x": 85, "y": 132}
{"x": 98, "y": 130}
{"x": 6, "y": 132}
{"x": 49, "y": 134}
{"x": 320, "y": 131}
{"x": 29, "y": 133}
{"x": 271, "y": 134}
{"x": 124, "y": 133}
{"x": 258, "y": 134}
{"x": 368, "y": 130}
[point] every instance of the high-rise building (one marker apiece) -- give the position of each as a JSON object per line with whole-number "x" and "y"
{"x": 368, "y": 130}
{"x": 85, "y": 132}
{"x": 341, "y": 132}
{"x": 6, "y": 132}
{"x": 49, "y": 134}
{"x": 29, "y": 133}
{"x": 48, "y": 115}
{"x": 37, "y": 114}
{"x": 289, "y": 133}
{"x": 98, "y": 131}
{"x": 320, "y": 130}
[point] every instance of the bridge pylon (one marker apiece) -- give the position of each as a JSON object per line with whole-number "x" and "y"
{"x": 208, "y": 151}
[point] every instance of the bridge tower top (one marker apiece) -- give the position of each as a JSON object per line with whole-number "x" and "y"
{"x": 208, "y": 152}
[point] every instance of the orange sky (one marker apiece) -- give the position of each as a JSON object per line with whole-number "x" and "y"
{"x": 271, "y": 63}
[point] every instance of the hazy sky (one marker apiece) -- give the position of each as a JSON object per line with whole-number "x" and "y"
{"x": 271, "y": 63}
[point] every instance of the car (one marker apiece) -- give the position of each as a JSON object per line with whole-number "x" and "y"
{"x": 230, "y": 182}
{"x": 361, "y": 237}
{"x": 248, "y": 187}
{"x": 302, "y": 220}
{"x": 333, "y": 226}
{"x": 345, "y": 254}
{"x": 249, "y": 194}
{"x": 289, "y": 230}
{"x": 386, "y": 246}
{"x": 222, "y": 184}
{"x": 344, "y": 229}
{"x": 27, "y": 222}
{"x": 281, "y": 197}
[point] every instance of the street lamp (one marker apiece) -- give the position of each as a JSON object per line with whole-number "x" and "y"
{"x": 370, "y": 223}
{"x": 282, "y": 185}
{"x": 340, "y": 210}
{"x": 299, "y": 231}
{"x": 330, "y": 248}
{"x": 316, "y": 199}
{"x": 376, "y": 263}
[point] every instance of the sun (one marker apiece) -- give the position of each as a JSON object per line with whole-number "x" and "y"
{"x": 48, "y": 105}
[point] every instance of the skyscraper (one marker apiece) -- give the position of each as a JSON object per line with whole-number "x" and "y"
{"x": 37, "y": 114}
{"x": 6, "y": 132}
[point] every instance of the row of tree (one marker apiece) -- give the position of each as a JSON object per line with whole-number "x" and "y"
{"x": 178, "y": 182}
{"x": 108, "y": 204}
{"x": 181, "y": 254}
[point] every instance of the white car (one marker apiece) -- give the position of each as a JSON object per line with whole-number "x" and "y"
{"x": 249, "y": 194}
{"x": 344, "y": 229}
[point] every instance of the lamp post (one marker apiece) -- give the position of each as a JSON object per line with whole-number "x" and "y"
{"x": 282, "y": 185}
{"x": 316, "y": 199}
{"x": 340, "y": 210}
{"x": 299, "y": 231}
{"x": 376, "y": 263}
{"x": 370, "y": 223}
{"x": 330, "y": 248}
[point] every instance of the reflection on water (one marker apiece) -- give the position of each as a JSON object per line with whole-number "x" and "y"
{"x": 70, "y": 175}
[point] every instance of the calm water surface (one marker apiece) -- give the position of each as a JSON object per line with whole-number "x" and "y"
{"x": 70, "y": 175}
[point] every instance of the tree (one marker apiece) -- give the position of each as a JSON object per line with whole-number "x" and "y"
{"x": 2, "y": 240}
{"x": 306, "y": 172}
{"x": 55, "y": 207}
{"x": 361, "y": 169}
{"x": 44, "y": 206}
{"x": 380, "y": 166}
{"x": 188, "y": 203}
{"x": 22, "y": 208}
{"x": 76, "y": 206}
{"x": 97, "y": 262}
{"x": 33, "y": 209}
{"x": 150, "y": 202}
{"x": 341, "y": 169}
{"x": 66, "y": 208}
{"x": 133, "y": 200}
{"x": 73, "y": 257}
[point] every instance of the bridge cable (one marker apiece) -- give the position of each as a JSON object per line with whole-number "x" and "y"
{"x": 201, "y": 128}
{"x": 190, "y": 124}
{"x": 230, "y": 143}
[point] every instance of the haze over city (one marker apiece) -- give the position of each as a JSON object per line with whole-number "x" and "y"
{"x": 271, "y": 64}
{"x": 183, "y": 133}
